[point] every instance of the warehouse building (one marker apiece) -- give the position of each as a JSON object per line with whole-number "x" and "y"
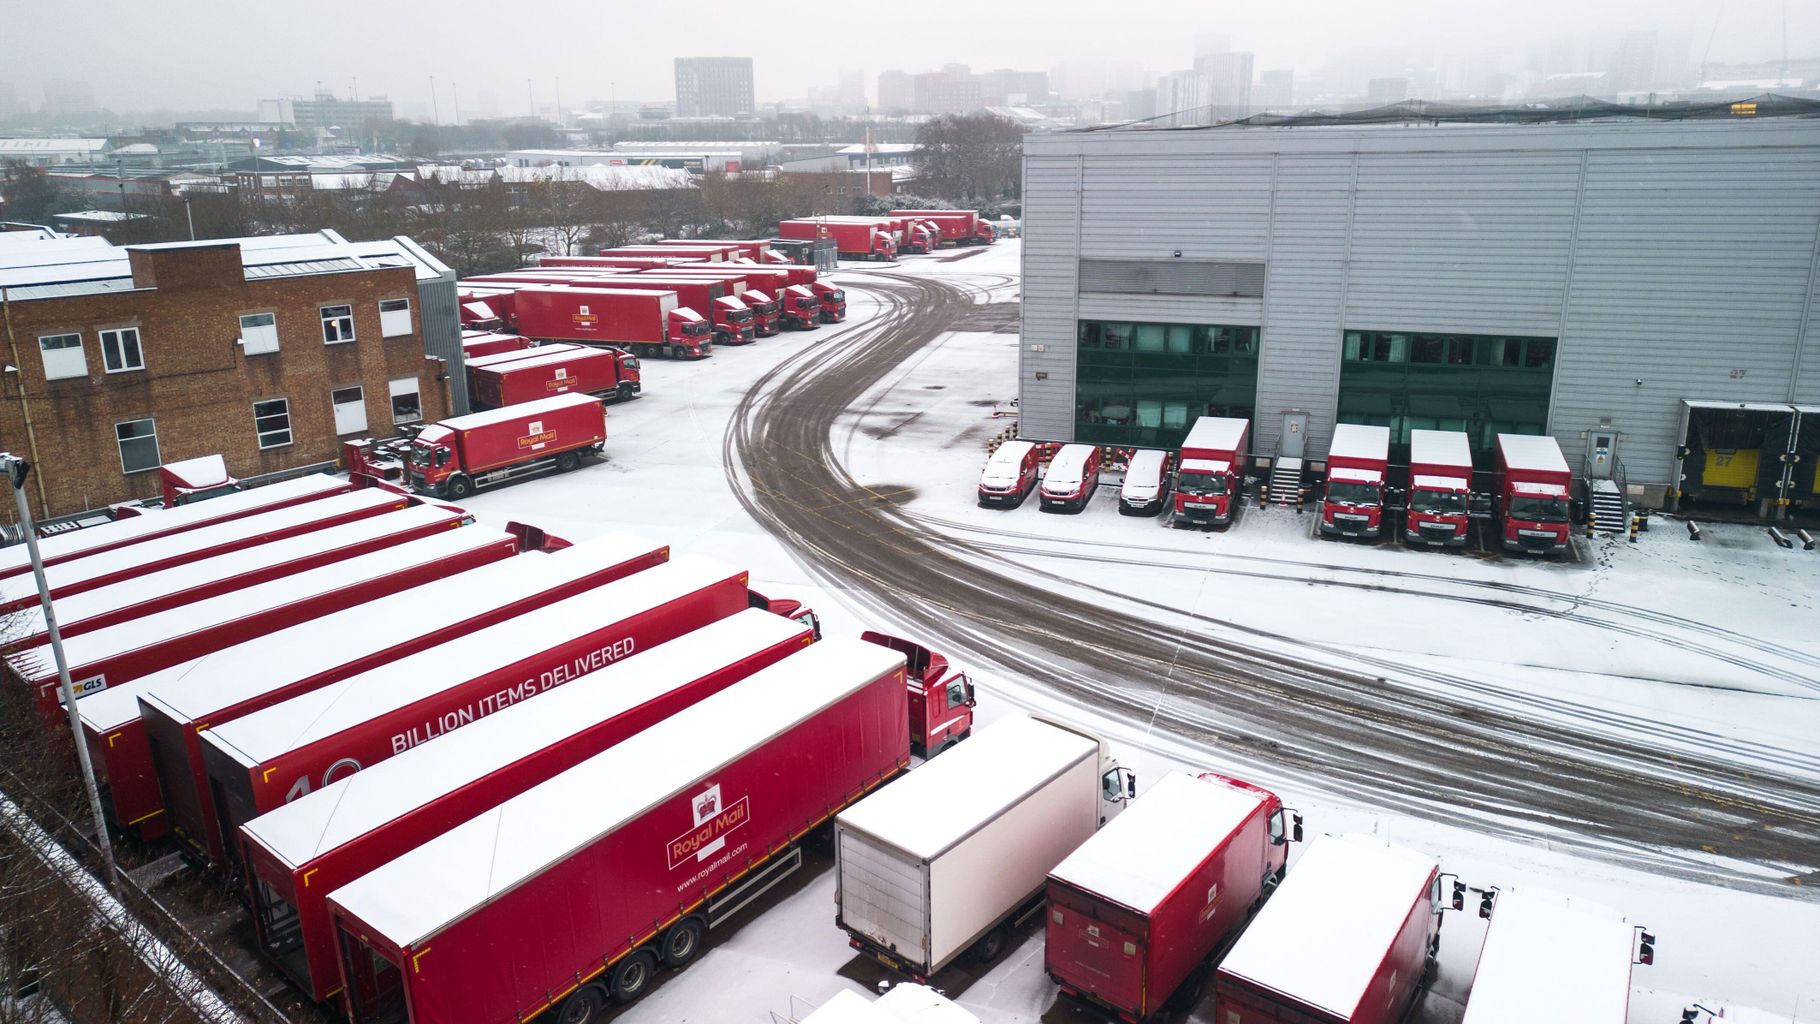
{"x": 267, "y": 351}
{"x": 1642, "y": 290}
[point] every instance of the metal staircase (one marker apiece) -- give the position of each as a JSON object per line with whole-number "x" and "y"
{"x": 1608, "y": 503}
{"x": 1285, "y": 480}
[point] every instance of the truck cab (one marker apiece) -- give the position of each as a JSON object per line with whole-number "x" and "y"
{"x": 884, "y": 246}
{"x": 690, "y": 336}
{"x": 1353, "y": 505}
{"x": 987, "y": 234}
{"x": 788, "y": 608}
{"x": 734, "y": 324}
{"x": 1206, "y": 491}
{"x": 799, "y": 307}
{"x": 941, "y": 701}
{"x": 765, "y": 312}
{"x": 833, "y": 302}
{"x": 1440, "y": 489}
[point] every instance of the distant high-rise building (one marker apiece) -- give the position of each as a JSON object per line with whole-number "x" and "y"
{"x": 1007, "y": 88}
{"x": 950, "y": 91}
{"x": 1275, "y": 89}
{"x": 850, "y": 95}
{"x": 1228, "y": 78}
{"x": 1387, "y": 90}
{"x": 714, "y": 86}
{"x": 9, "y": 100}
{"x": 1633, "y": 64}
{"x": 328, "y": 111}
{"x": 896, "y": 92}
{"x": 65, "y": 96}
{"x": 1140, "y": 104}
{"x": 1181, "y": 98}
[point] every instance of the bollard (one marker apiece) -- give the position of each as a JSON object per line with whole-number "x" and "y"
{"x": 1807, "y": 540}
{"x": 1300, "y": 496}
{"x": 1592, "y": 522}
{"x": 1636, "y": 523}
{"x": 1781, "y": 541}
{"x": 1693, "y": 530}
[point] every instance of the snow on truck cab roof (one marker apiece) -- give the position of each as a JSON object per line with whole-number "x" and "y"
{"x": 1324, "y": 933}
{"x": 422, "y": 892}
{"x": 1206, "y": 466}
{"x": 1439, "y": 483}
{"x": 1356, "y": 476}
{"x": 1144, "y": 854}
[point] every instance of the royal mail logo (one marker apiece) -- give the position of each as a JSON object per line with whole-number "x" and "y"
{"x": 584, "y": 318}
{"x": 537, "y": 436}
{"x": 561, "y": 382}
{"x": 713, "y": 823}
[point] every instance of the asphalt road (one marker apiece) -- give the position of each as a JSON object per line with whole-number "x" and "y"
{"x": 1378, "y": 735}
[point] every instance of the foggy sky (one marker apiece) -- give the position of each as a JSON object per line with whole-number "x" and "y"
{"x": 219, "y": 54}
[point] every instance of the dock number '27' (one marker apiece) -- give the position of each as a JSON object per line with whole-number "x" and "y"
{"x": 339, "y": 770}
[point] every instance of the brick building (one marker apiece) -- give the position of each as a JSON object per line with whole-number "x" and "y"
{"x": 268, "y": 351}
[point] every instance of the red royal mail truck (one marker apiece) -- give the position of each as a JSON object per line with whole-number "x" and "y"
{"x": 643, "y": 322}
{"x": 1533, "y": 486}
{"x": 606, "y": 373}
{"x": 456, "y": 457}
{"x": 1210, "y": 474}
{"x": 1440, "y": 488}
{"x": 1353, "y": 504}
{"x": 606, "y": 872}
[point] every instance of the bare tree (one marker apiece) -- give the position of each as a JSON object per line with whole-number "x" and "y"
{"x": 972, "y": 158}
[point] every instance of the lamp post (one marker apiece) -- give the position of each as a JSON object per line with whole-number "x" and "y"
{"x": 17, "y": 469}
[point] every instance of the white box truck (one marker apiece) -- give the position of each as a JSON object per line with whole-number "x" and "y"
{"x": 954, "y": 856}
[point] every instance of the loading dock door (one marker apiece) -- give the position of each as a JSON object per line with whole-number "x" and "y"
{"x": 1733, "y": 454}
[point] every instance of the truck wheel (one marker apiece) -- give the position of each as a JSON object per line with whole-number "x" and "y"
{"x": 582, "y": 1006}
{"x": 989, "y": 946}
{"x": 567, "y": 461}
{"x": 460, "y": 487}
{"x": 682, "y": 942}
{"x": 632, "y": 977}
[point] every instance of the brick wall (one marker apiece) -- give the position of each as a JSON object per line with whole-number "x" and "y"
{"x": 198, "y": 385}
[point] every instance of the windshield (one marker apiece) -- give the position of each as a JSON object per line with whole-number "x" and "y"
{"x": 695, "y": 328}
{"x": 1437, "y": 501}
{"x": 837, "y": 295}
{"x": 420, "y": 456}
{"x": 1201, "y": 483}
{"x": 765, "y": 308}
{"x": 1352, "y": 492}
{"x": 740, "y": 316}
{"x": 1538, "y": 510}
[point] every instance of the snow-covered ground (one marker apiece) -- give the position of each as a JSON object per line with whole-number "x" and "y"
{"x": 1707, "y": 647}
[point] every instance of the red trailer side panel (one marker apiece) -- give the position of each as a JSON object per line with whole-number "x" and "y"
{"x": 299, "y": 853}
{"x": 502, "y": 437}
{"x": 596, "y": 315}
{"x": 589, "y": 371}
{"x": 487, "y": 922}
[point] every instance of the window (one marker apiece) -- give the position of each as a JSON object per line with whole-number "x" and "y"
{"x": 120, "y": 350}
{"x": 337, "y": 324}
{"x": 407, "y": 407}
{"x": 259, "y": 333}
{"x": 350, "y": 410}
{"x": 63, "y": 356}
{"x": 272, "y": 420}
{"x": 138, "y": 440}
{"x": 394, "y": 318}
{"x": 1145, "y": 383}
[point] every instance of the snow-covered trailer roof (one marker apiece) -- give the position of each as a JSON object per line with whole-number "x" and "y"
{"x": 1440, "y": 448}
{"x": 538, "y": 359}
{"x": 356, "y": 805}
{"x": 526, "y": 410}
{"x": 1533, "y": 452}
{"x": 467, "y": 867}
{"x": 1217, "y": 433}
{"x": 308, "y": 717}
{"x": 498, "y": 359}
{"x": 1146, "y": 853}
{"x": 1359, "y": 441}
{"x": 1548, "y": 957}
{"x": 949, "y": 797}
{"x": 1322, "y": 936}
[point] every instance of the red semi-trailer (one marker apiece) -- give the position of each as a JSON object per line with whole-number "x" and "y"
{"x": 798, "y": 305}
{"x": 1549, "y": 957}
{"x": 299, "y": 853}
{"x": 727, "y": 314}
{"x": 598, "y": 875}
{"x": 602, "y": 372}
{"x": 705, "y": 253}
{"x": 852, "y": 241}
{"x": 236, "y": 570}
{"x": 752, "y": 249}
{"x": 958, "y": 227}
{"x": 1358, "y": 458}
{"x": 641, "y": 321}
{"x": 295, "y": 659}
{"x": 477, "y": 344}
{"x": 1348, "y": 938}
{"x": 1210, "y": 475}
{"x": 151, "y": 524}
{"x": 261, "y": 760}
{"x": 456, "y": 457}
{"x": 138, "y": 647}
{"x": 80, "y": 574}
{"x": 1137, "y": 911}
{"x": 1440, "y": 488}
{"x": 620, "y": 262}
{"x": 941, "y": 700}
{"x": 1533, "y": 484}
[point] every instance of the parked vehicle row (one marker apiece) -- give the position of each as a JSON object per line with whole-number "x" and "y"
{"x": 1201, "y": 483}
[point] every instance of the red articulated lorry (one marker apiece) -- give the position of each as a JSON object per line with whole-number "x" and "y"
{"x": 119, "y": 653}
{"x": 620, "y": 262}
{"x": 1138, "y": 912}
{"x": 294, "y": 659}
{"x": 641, "y": 321}
{"x": 621, "y": 864}
{"x": 79, "y": 574}
{"x": 1533, "y": 484}
{"x": 851, "y": 241}
{"x": 1349, "y": 938}
{"x": 959, "y": 227}
{"x": 754, "y": 249}
{"x": 606, "y": 373}
{"x": 1210, "y": 475}
{"x": 456, "y": 457}
{"x": 261, "y": 760}
{"x": 1440, "y": 488}
{"x": 707, "y": 253}
{"x": 1547, "y": 956}
{"x": 1358, "y": 458}
{"x": 236, "y": 570}
{"x": 151, "y": 524}
{"x": 941, "y": 701}
{"x": 299, "y": 853}
{"x": 802, "y": 300}
{"x": 475, "y": 344}
{"x": 728, "y": 317}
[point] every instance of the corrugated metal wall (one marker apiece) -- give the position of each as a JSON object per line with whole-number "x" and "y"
{"x": 1681, "y": 255}
{"x": 442, "y": 337}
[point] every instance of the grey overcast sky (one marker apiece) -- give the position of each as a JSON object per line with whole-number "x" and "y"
{"x": 228, "y": 53}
